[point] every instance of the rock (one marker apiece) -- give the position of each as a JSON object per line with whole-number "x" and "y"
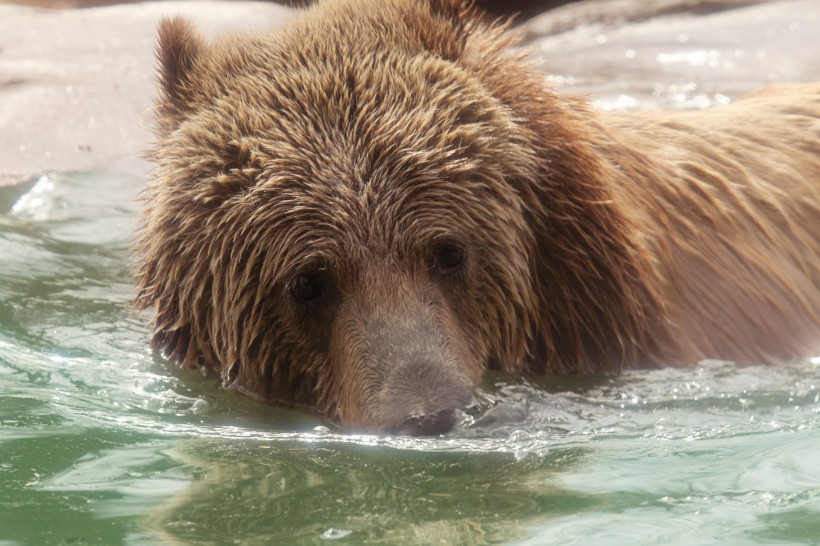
{"x": 76, "y": 86}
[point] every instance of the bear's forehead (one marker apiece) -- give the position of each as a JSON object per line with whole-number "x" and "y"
{"x": 362, "y": 142}
{"x": 364, "y": 84}
{"x": 400, "y": 104}
{"x": 353, "y": 128}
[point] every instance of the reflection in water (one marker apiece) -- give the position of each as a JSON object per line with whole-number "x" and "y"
{"x": 651, "y": 449}
{"x": 285, "y": 492}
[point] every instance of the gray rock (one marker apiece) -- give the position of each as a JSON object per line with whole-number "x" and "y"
{"x": 76, "y": 86}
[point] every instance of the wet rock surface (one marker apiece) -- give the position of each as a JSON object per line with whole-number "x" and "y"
{"x": 77, "y": 86}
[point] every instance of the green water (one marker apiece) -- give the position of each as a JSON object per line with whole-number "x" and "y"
{"x": 103, "y": 443}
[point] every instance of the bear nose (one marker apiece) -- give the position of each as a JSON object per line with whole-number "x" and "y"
{"x": 422, "y": 399}
{"x": 427, "y": 424}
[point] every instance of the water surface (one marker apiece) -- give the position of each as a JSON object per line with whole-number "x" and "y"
{"x": 103, "y": 443}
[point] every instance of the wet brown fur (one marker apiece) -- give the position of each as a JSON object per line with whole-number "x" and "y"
{"x": 363, "y": 143}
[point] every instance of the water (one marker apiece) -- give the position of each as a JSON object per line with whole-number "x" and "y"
{"x": 101, "y": 442}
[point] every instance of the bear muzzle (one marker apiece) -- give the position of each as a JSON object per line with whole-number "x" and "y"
{"x": 403, "y": 369}
{"x": 423, "y": 399}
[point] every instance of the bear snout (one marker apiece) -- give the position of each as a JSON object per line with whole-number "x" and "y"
{"x": 427, "y": 424}
{"x": 402, "y": 359}
{"x": 423, "y": 399}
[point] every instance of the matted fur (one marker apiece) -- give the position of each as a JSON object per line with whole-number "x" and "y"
{"x": 454, "y": 214}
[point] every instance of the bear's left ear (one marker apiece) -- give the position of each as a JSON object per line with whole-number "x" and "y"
{"x": 178, "y": 52}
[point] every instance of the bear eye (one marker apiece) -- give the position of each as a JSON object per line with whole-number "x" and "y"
{"x": 307, "y": 287}
{"x": 449, "y": 256}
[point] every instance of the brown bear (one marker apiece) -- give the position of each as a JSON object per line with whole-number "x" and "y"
{"x": 365, "y": 211}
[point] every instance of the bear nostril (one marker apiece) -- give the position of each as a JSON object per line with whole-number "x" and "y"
{"x": 427, "y": 424}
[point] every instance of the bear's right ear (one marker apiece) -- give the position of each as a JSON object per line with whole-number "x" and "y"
{"x": 178, "y": 53}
